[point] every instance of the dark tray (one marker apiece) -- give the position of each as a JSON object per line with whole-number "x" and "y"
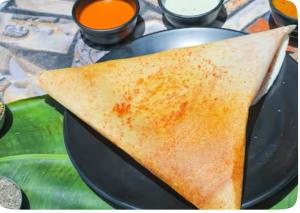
{"x": 271, "y": 155}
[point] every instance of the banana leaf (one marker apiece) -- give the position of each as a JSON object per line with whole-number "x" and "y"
{"x": 32, "y": 153}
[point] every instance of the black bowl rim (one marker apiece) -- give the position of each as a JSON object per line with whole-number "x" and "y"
{"x": 114, "y": 29}
{"x": 164, "y": 9}
{"x": 273, "y": 8}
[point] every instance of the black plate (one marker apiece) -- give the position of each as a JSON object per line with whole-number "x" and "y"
{"x": 271, "y": 157}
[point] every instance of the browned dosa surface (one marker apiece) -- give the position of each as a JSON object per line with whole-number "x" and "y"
{"x": 181, "y": 113}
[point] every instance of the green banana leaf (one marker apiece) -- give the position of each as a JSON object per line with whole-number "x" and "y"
{"x": 288, "y": 201}
{"x": 32, "y": 154}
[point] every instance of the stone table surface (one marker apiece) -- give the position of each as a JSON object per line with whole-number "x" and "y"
{"x": 37, "y": 35}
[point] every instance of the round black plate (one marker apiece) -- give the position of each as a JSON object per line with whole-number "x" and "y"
{"x": 271, "y": 155}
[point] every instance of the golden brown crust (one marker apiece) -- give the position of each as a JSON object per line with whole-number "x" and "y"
{"x": 182, "y": 113}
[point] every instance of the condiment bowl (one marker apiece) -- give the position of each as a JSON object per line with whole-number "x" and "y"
{"x": 2, "y": 114}
{"x": 106, "y": 36}
{"x": 281, "y": 19}
{"x": 202, "y": 19}
{"x": 11, "y": 192}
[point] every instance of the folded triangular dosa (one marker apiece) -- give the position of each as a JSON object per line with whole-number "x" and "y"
{"x": 180, "y": 113}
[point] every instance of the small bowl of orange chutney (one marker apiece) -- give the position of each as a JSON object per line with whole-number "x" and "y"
{"x": 106, "y": 21}
{"x": 284, "y": 12}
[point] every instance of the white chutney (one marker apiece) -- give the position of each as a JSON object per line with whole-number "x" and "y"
{"x": 190, "y": 7}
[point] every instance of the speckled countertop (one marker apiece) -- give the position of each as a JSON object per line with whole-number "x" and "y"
{"x": 35, "y": 38}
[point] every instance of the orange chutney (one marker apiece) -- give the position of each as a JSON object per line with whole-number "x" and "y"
{"x": 286, "y": 7}
{"x": 106, "y": 14}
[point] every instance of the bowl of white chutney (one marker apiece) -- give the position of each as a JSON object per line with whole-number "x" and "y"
{"x": 185, "y": 13}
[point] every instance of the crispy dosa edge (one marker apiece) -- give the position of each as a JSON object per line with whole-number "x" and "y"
{"x": 275, "y": 66}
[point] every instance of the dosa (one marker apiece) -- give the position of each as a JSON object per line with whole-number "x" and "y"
{"x": 181, "y": 113}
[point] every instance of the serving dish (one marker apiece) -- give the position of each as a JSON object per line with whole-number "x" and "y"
{"x": 282, "y": 19}
{"x": 13, "y": 198}
{"x": 271, "y": 159}
{"x": 2, "y": 114}
{"x": 202, "y": 19}
{"x": 106, "y": 36}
